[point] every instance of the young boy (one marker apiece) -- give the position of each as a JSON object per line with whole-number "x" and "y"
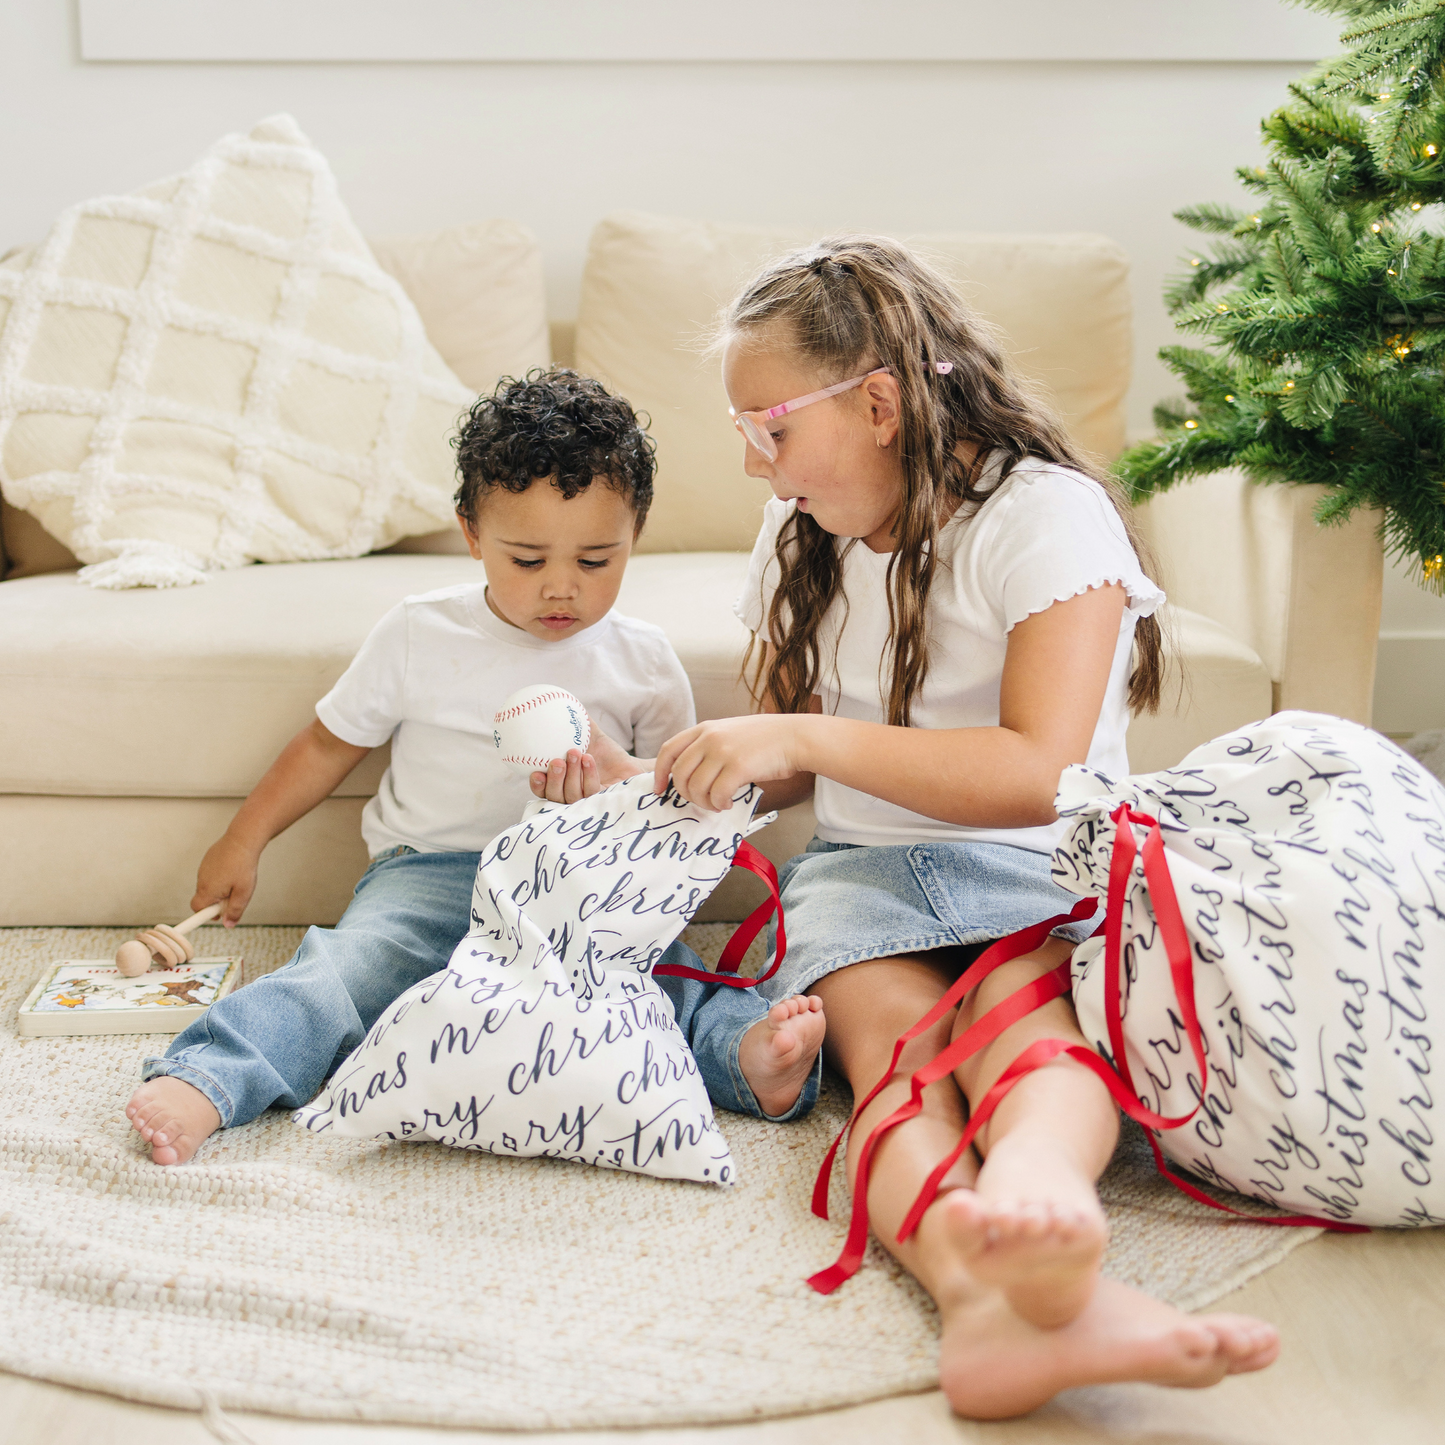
{"x": 556, "y": 479}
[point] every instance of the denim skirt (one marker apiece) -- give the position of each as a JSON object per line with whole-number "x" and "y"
{"x": 846, "y": 902}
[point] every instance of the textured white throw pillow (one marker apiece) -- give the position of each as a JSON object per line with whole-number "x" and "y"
{"x": 547, "y": 1034}
{"x": 214, "y": 370}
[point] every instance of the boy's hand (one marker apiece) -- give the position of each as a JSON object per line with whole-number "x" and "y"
{"x": 227, "y": 875}
{"x": 567, "y": 779}
{"x": 579, "y": 775}
{"x": 613, "y": 764}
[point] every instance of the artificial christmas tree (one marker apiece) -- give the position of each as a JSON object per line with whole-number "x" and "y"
{"x": 1324, "y": 303}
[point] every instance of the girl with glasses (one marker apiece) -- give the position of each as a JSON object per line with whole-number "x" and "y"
{"x": 949, "y": 606}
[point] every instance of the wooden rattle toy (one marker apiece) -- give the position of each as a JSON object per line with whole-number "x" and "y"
{"x": 164, "y": 944}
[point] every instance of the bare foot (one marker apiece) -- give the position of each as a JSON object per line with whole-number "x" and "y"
{"x": 175, "y": 1118}
{"x": 1034, "y": 1228}
{"x": 777, "y": 1053}
{"x": 1043, "y": 1255}
{"x": 994, "y": 1365}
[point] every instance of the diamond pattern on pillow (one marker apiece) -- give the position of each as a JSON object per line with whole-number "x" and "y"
{"x": 214, "y": 370}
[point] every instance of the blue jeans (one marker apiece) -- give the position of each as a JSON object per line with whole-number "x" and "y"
{"x": 277, "y": 1040}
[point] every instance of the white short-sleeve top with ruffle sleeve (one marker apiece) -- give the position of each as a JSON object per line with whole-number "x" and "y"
{"x": 1044, "y": 534}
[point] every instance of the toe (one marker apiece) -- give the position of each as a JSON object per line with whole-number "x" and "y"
{"x": 1247, "y": 1344}
{"x": 1033, "y": 1228}
{"x": 1261, "y": 1358}
{"x": 1196, "y": 1341}
{"x": 966, "y": 1215}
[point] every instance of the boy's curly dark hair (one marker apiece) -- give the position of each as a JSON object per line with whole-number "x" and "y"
{"x": 559, "y": 425}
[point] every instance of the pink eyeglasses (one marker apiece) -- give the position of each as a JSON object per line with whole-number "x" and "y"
{"x": 754, "y": 424}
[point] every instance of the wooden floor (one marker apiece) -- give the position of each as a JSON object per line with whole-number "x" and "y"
{"x": 1363, "y": 1320}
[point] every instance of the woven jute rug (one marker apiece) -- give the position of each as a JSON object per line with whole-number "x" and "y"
{"x": 313, "y": 1276}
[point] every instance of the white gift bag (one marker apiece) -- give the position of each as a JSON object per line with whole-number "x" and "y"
{"x": 1306, "y": 855}
{"x": 1263, "y": 990}
{"x": 547, "y": 1033}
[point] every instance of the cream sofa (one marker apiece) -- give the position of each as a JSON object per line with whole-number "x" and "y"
{"x": 131, "y": 723}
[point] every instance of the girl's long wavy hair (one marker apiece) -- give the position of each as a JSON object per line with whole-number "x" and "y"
{"x": 846, "y": 305}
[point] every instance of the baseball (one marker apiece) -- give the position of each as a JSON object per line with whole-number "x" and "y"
{"x": 538, "y": 724}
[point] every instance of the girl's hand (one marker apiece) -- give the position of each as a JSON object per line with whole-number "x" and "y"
{"x": 227, "y": 875}
{"x": 709, "y": 763}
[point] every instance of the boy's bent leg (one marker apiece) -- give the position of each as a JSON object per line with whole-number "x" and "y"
{"x": 754, "y": 1058}
{"x": 276, "y": 1040}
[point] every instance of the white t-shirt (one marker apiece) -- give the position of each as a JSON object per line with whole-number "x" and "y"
{"x": 433, "y": 673}
{"x": 1047, "y": 533}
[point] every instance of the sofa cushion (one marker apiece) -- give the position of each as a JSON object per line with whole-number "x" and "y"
{"x": 652, "y": 286}
{"x": 1215, "y": 683}
{"x": 26, "y": 548}
{"x": 29, "y": 549}
{"x": 215, "y": 369}
{"x": 479, "y": 291}
{"x": 193, "y": 692}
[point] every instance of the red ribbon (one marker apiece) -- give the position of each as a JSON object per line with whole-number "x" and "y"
{"x": 747, "y": 857}
{"x": 1019, "y": 1003}
{"x": 1055, "y": 984}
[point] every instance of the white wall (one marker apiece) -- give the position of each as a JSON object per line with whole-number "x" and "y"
{"x": 905, "y": 147}
{"x": 898, "y": 146}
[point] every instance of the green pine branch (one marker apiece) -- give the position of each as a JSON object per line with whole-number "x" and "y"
{"x": 1320, "y": 311}
{"x": 1211, "y": 217}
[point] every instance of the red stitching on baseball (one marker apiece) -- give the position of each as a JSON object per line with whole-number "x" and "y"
{"x": 507, "y": 714}
{"x": 540, "y": 764}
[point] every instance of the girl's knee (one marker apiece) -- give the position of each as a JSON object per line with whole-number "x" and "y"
{"x": 1007, "y": 979}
